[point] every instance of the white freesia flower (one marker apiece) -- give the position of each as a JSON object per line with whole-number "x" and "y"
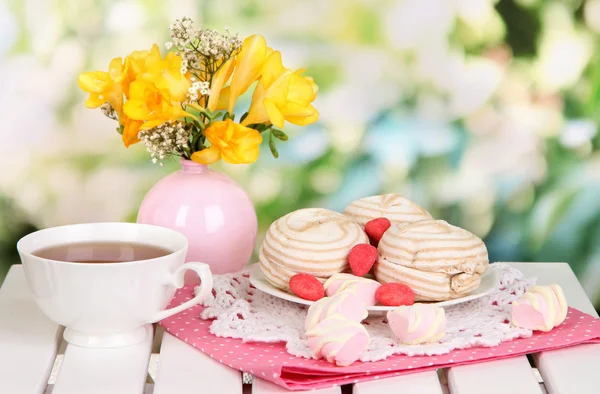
{"x": 577, "y": 133}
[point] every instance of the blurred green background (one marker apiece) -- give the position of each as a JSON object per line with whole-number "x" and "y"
{"x": 485, "y": 112}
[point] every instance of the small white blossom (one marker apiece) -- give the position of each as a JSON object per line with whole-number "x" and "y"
{"x": 192, "y": 42}
{"x": 198, "y": 89}
{"x": 165, "y": 139}
{"x": 202, "y": 52}
{"x": 169, "y": 45}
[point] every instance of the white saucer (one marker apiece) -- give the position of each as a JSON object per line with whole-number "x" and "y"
{"x": 489, "y": 282}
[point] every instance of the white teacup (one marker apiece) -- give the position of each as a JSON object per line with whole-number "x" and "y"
{"x": 109, "y": 304}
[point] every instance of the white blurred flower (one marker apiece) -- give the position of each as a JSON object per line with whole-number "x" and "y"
{"x": 189, "y": 8}
{"x": 475, "y": 85}
{"x": 577, "y": 133}
{"x": 518, "y": 107}
{"x": 364, "y": 88}
{"x": 125, "y": 16}
{"x": 365, "y": 67}
{"x": 475, "y": 12}
{"x": 68, "y": 59}
{"x": 43, "y": 25}
{"x": 8, "y": 29}
{"x": 591, "y": 13}
{"x": 306, "y": 15}
{"x": 564, "y": 54}
{"x": 508, "y": 153}
{"x": 27, "y": 88}
{"x": 469, "y": 82}
{"x": 414, "y": 23}
{"x": 354, "y": 103}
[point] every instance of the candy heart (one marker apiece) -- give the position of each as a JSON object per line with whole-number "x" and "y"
{"x": 395, "y": 294}
{"x": 375, "y": 229}
{"x": 307, "y": 287}
{"x": 361, "y": 258}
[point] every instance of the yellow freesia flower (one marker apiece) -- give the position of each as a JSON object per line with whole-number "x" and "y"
{"x": 282, "y": 95}
{"x": 105, "y": 87}
{"x": 131, "y": 128}
{"x": 151, "y": 105}
{"x": 137, "y": 62}
{"x": 219, "y": 79}
{"x": 248, "y": 66}
{"x": 234, "y": 143}
{"x": 166, "y": 75}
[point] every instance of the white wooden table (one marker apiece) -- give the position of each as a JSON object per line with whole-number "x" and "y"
{"x": 34, "y": 359}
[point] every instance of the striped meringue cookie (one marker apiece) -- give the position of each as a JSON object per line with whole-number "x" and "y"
{"x": 540, "y": 308}
{"x": 314, "y": 241}
{"x": 344, "y": 304}
{"x": 394, "y": 207}
{"x": 436, "y": 260}
{"x": 339, "y": 340}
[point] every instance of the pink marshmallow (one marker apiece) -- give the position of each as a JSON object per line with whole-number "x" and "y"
{"x": 345, "y": 304}
{"x": 338, "y": 340}
{"x": 418, "y": 323}
{"x": 541, "y": 308}
{"x": 363, "y": 288}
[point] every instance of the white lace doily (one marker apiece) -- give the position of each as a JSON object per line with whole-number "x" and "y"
{"x": 243, "y": 312}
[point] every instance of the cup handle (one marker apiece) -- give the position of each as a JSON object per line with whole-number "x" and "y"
{"x": 177, "y": 280}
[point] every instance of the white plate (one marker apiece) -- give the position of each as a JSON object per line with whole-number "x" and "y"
{"x": 489, "y": 282}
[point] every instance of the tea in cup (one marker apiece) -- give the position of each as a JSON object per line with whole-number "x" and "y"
{"x": 105, "y": 282}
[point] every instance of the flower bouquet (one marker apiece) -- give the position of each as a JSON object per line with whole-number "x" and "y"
{"x": 183, "y": 104}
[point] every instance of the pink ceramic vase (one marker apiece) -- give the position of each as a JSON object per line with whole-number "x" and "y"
{"x": 210, "y": 209}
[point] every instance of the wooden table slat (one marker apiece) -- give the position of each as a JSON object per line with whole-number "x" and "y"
{"x": 28, "y": 339}
{"x": 185, "y": 370}
{"x": 570, "y": 370}
{"x": 513, "y": 375}
{"x": 418, "y": 383}
{"x": 95, "y": 371}
{"x": 260, "y": 386}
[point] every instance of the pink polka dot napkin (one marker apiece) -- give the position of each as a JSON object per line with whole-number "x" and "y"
{"x": 273, "y": 363}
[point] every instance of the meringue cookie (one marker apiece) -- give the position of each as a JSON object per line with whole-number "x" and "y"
{"x": 435, "y": 259}
{"x": 313, "y": 241}
{"x": 339, "y": 340}
{"x": 394, "y": 207}
{"x": 345, "y": 304}
{"x": 418, "y": 323}
{"x": 540, "y": 308}
{"x": 363, "y": 288}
